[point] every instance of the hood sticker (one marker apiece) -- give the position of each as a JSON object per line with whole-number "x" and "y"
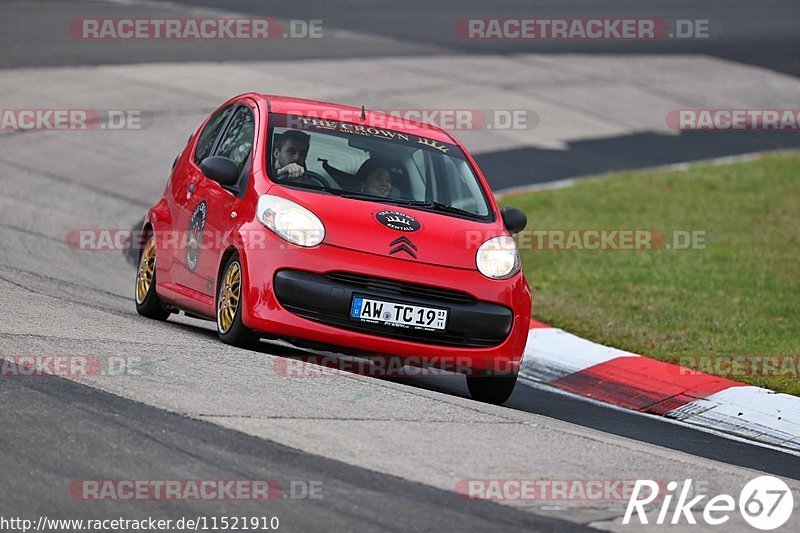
{"x": 398, "y": 221}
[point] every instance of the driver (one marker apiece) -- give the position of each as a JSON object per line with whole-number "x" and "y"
{"x": 289, "y": 153}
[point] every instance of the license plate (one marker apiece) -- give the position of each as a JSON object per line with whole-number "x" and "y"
{"x": 399, "y": 315}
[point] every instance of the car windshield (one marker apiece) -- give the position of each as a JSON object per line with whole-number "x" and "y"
{"x": 374, "y": 164}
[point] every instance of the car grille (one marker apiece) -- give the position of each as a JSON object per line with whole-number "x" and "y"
{"x": 444, "y": 339}
{"x": 399, "y": 288}
{"x": 327, "y": 299}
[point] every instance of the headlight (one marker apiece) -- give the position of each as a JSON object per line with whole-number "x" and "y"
{"x": 290, "y": 221}
{"x": 498, "y": 258}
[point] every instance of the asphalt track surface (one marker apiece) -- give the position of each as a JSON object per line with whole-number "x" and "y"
{"x": 384, "y": 451}
{"x": 112, "y": 438}
{"x": 762, "y": 34}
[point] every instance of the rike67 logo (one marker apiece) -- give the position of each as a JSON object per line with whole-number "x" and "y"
{"x": 765, "y": 503}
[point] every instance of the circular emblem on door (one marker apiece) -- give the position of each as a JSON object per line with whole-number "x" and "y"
{"x": 398, "y": 221}
{"x": 196, "y": 225}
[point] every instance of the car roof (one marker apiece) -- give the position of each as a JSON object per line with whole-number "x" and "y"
{"x": 300, "y": 106}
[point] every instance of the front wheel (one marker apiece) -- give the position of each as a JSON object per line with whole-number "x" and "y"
{"x": 148, "y": 304}
{"x": 491, "y": 389}
{"x": 230, "y": 327}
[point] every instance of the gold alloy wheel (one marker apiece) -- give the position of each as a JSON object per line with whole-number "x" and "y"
{"x": 147, "y": 268}
{"x": 229, "y": 297}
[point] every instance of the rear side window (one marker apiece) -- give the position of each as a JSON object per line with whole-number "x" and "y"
{"x": 238, "y": 139}
{"x": 210, "y": 133}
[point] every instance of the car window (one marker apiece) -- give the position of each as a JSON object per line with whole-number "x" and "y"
{"x": 335, "y": 152}
{"x": 387, "y": 165}
{"x": 238, "y": 138}
{"x": 463, "y": 192}
{"x": 210, "y": 133}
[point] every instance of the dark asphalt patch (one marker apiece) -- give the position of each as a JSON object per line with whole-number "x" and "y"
{"x": 56, "y": 431}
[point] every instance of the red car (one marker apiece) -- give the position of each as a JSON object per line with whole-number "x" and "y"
{"x": 325, "y": 224}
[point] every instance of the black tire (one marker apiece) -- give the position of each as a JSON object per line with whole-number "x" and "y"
{"x": 151, "y": 305}
{"x": 491, "y": 389}
{"x": 237, "y": 334}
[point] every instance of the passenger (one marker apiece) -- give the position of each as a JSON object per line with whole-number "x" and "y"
{"x": 289, "y": 153}
{"x": 375, "y": 177}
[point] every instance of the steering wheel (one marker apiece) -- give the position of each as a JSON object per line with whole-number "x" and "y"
{"x": 313, "y": 177}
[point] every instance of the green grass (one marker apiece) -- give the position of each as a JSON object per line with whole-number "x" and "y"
{"x": 738, "y": 296}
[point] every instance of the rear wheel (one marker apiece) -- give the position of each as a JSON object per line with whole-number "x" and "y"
{"x": 148, "y": 303}
{"x": 491, "y": 389}
{"x": 229, "y": 306}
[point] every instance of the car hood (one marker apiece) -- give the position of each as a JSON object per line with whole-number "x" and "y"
{"x": 399, "y": 232}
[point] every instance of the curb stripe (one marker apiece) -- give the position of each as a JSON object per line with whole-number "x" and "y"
{"x": 560, "y": 359}
{"x": 642, "y": 384}
{"x": 535, "y": 324}
{"x": 748, "y": 411}
{"x": 551, "y": 353}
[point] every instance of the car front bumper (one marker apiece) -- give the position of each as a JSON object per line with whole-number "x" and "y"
{"x": 292, "y": 292}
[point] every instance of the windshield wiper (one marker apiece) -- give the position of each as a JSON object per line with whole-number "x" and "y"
{"x": 304, "y": 185}
{"x": 438, "y": 206}
{"x": 433, "y": 206}
{"x": 371, "y": 197}
{"x": 357, "y": 195}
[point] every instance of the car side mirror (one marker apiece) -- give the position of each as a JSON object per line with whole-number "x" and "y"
{"x": 514, "y": 219}
{"x": 220, "y": 169}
